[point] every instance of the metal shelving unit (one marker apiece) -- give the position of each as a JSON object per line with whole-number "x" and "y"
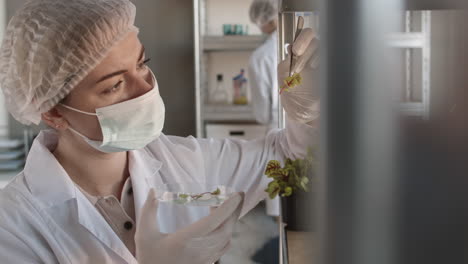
{"x": 410, "y": 41}
{"x": 13, "y": 152}
{"x": 232, "y": 43}
{"x": 219, "y": 113}
{"x": 206, "y": 44}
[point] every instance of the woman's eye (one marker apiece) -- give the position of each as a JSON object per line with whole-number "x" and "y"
{"x": 143, "y": 64}
{"x": 113, "y": 89}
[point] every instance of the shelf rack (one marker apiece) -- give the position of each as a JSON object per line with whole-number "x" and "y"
{"x": 220, "y": 113}
{"x": 207, "y": 43}
{"x": 409, "y": 41}
{"x": 232, "y": 43}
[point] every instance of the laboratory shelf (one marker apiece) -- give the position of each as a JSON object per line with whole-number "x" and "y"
{"x": 412, "y": 108}
{"x": 10, "y": 143}
{"x": 232, "y": 43}
{"x": 10, "y": 155}
{"x": 407, "y": 40}
{"x": 228, "y": 113}
{"x": 12, "y": 165}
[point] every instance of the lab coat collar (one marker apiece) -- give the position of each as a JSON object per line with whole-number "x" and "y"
{"x": 144, "y": 168}
{"x": 274, "y": 35}
{"x": 46, "y": 178}
{"x": 49, "y": 182}
{"x": 90, "y": 219}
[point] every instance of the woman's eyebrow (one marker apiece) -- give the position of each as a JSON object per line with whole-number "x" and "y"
{"x": 110, "y": 75}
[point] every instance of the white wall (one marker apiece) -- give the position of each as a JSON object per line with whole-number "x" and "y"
{"x": 3, "y": 111}
{"x": 166, "y": 30}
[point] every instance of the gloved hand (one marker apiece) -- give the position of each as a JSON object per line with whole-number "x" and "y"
{"x": 302, "y": 103}
{"x": 203, "y": 242}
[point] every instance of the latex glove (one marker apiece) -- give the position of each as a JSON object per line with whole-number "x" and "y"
{"x": 203, "y": 242}
{"x": 302, "y": 103}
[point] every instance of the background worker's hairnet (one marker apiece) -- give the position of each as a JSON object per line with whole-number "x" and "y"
{"x": 263, "y": 11}
{"x": 51, "y": 45}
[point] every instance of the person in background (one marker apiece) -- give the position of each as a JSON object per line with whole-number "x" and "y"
{"x": 262, "y": 73}
{"x": 262, "y": 64}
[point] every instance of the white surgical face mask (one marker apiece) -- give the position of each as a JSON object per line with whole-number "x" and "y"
{"x": 129, "y": 125}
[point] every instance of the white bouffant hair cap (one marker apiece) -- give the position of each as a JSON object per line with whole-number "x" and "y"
{"x": 50, "y": 46}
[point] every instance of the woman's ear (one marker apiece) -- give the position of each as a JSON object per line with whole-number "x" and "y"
{"x": 55, "y": 119}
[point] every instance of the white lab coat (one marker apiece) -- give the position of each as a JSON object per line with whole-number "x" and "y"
{"x": 262, "y": 72}
{"x": 44, "y": 218}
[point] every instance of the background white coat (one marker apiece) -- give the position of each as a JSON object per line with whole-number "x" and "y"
{"x": 264, "y": 89}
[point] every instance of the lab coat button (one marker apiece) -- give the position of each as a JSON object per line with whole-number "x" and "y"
{"x": 128, "y": 225}
{"x": 130, "y": 191}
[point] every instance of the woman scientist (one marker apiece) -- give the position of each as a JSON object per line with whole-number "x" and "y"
{"x": 86, "y": 194}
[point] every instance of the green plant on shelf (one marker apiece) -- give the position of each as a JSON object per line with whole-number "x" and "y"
{"x": 293, "y": 177}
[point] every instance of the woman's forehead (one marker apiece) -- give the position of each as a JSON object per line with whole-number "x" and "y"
{"x": 127, "y": 49}
{"x": 121, "y": 56}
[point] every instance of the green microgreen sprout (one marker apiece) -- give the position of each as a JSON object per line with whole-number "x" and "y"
{"x": 195, "y": 197}
{"x": 183, "y": 196}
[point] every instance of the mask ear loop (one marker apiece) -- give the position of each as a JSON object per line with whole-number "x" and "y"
{"x": 76, "y": 110}
{"x": 79, "y": 111}
{"x": 153, "y": 79}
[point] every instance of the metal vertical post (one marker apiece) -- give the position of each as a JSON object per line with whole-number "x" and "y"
{"x": 280, "y": 122}
{"x": 286, "y": 32}
{"x": 357, "y": 122}
{"x": 196, "y": 23}
{"x": 408, "y": 59}
{"x": 426, "y": 63}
